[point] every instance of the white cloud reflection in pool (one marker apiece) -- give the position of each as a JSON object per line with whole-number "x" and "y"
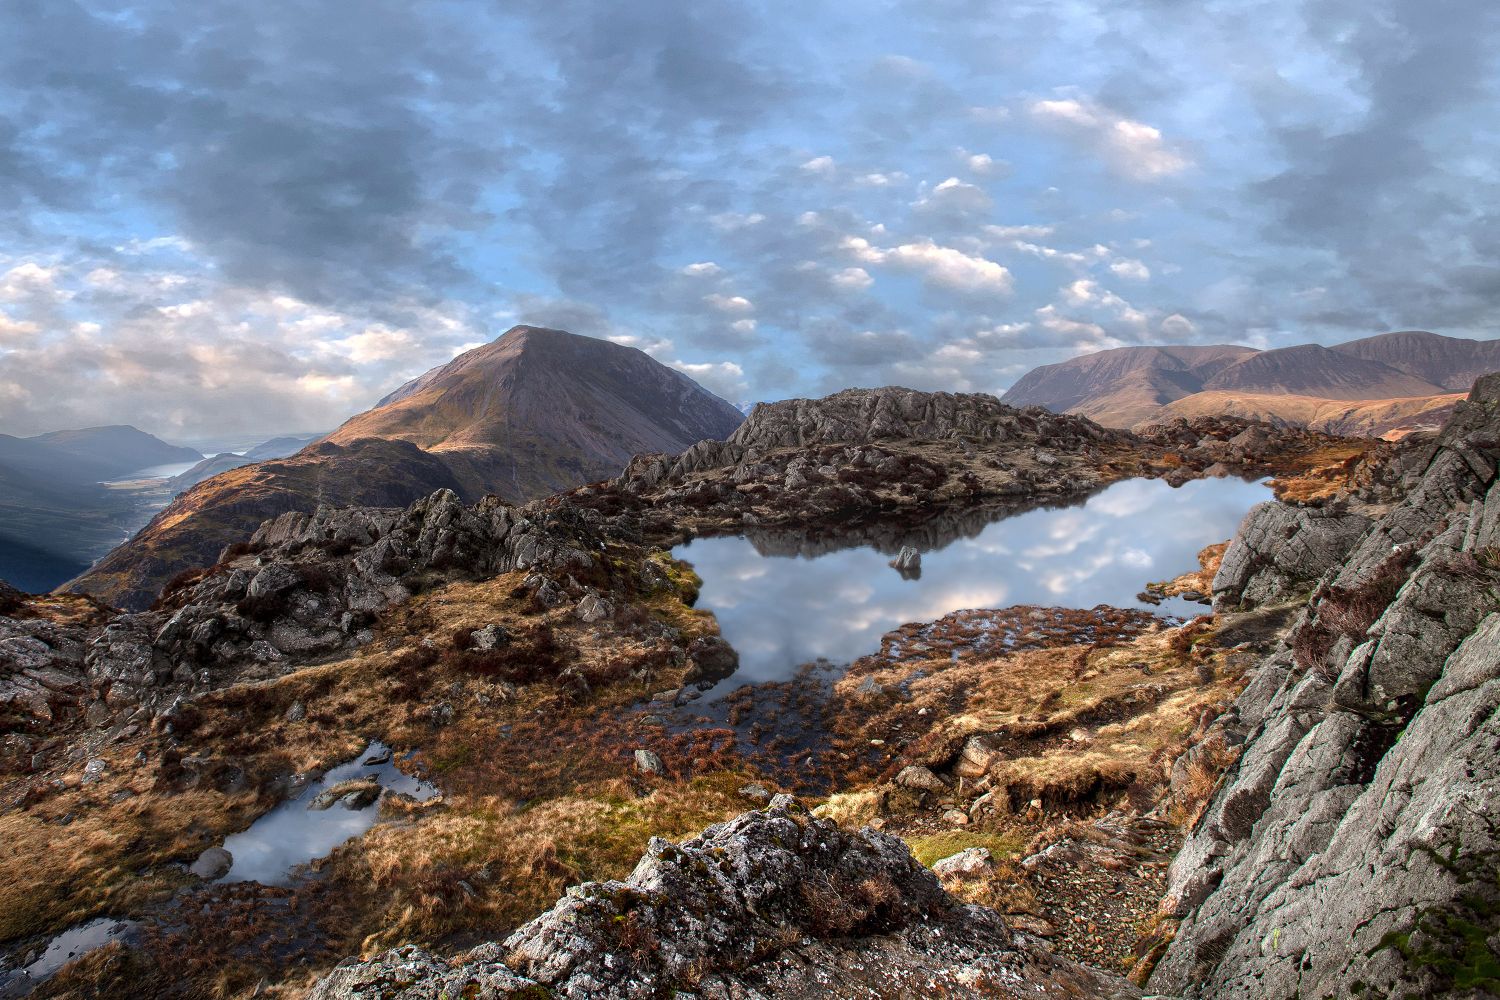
{"x": 781, "y": 611}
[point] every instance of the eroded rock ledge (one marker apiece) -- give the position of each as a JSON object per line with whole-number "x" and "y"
{"x": 773, "y": 903}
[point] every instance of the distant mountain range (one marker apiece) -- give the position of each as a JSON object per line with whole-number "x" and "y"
{"x": 277, "y": 447}
{"x": 56, "y": 516}
{"x": 1385, "y": 385}
{"x": 535, "y": 412}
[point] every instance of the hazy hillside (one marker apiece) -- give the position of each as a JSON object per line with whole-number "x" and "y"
{"x": 1387, "y": 418}
{"x": 55, "y": 516}
{"x": 117, "y": 450}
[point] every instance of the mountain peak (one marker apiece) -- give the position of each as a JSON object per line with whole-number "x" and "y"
{"x": 535, "y": 412}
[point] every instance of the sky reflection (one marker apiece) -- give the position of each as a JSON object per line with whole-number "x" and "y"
{"x": 782, "y": 611}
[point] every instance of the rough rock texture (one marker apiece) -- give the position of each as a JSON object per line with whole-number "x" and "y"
{"x": 1281, "y": 551}
{"x": 1354, "y": 848}
{"x": 774, "y": 903}
{"x": 885, "y": 461}
{"x": 867, "y": 416}
{"x": 305, "y": 586}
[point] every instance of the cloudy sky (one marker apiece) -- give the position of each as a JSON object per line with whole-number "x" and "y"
{"x": 224, "y": 220}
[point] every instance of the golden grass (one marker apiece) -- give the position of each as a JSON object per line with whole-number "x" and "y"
{"x": 488, "y": 866}
{"x": 930, "y": 848}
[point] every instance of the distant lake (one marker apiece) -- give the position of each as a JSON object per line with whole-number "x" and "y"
{"x": 157, "y": 472}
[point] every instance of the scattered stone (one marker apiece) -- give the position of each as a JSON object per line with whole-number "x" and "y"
{"x": 650, "y": 762}
{"x": 756, "y": 792}
{"x": 212, "y": 864}
{"x": 919, "y": 778}
{"x": 296, "y": 712}
{"x": 490, "y": 637}
{"x": 593, "y": 608}
{"x": 972, "y": 862}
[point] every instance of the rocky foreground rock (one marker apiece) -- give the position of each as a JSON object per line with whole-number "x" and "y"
{"x": 774, "y": 903}
{"x": 1354, "y": 850}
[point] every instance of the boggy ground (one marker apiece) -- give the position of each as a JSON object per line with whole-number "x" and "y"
{"x": 1058, "y": 743}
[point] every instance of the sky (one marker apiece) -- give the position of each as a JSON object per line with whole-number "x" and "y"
{"x": 223, "y": 221}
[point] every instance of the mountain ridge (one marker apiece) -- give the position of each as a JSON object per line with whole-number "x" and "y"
{"x": 522, "y": 417}
{"x": 1134, "y": 386}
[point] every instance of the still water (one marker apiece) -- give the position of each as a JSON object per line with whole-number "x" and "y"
{"x": 60, "y": 951}
{"x": 781, "y": 608}
{"x": 294, "y": 833}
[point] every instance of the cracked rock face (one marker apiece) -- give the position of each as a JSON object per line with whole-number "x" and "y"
{"x": 1281, "y": 551}
{"x": 1355, "y": 847}
{"x": 773, "y": 903}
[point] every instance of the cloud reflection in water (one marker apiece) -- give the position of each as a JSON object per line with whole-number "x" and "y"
{"x": 781, "y": 611}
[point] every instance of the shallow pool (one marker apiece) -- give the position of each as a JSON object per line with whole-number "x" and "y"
{"x": 294, "y": 833}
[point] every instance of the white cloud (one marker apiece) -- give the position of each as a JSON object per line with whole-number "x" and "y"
{"x": 823, "y": 165}
{"x": 723, "y": 378}
{"x": 955, "y": 198}
{"x": 938, "y": 265}
{"x": 1133, "y": 148}
{"x": 731, "y": 221}
{"x": 1024, "y": 232}
{"x": 376, "y": 343}
{"x": 706, "y": 268}
{"x": 852, "y": 279}
{"x": 1074, "y": 333}
{"x": 1134, "y": 270}
{"x": 878, "y": 179}
{"x": 31, "y": 280}
{"x": 1178, "y": 326}
{"x": 137, "y": 247}
{"x": 729, "y": 303}
{"x": 984, "y": 164}
{"x": 14, "y": 333}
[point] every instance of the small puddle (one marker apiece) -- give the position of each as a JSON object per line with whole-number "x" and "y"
{"x": 294, "y": 833}
{"x": 64, "y": 948}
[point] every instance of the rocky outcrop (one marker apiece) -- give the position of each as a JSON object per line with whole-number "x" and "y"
{"x": 882, "y": 460}
{"x": 41, "y": 672}
{"x": 774, "y": 903}
{"x": 1281, "y": 551}
{"x": 1354, "y": 849}
{"x": 304, "y": 586}
{"x": 867, "y": 416}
